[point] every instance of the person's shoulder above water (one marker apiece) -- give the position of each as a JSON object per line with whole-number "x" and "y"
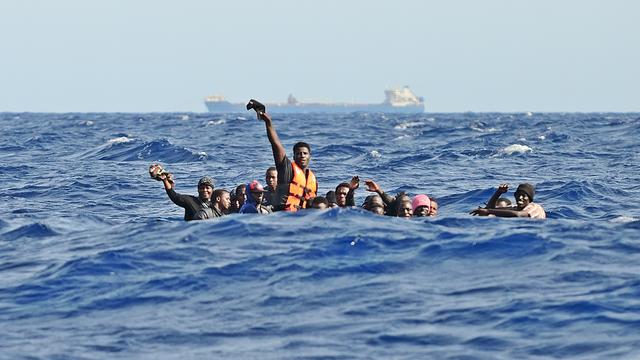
{"x": 253, "y": 204}
{"x": 535, "y": 211}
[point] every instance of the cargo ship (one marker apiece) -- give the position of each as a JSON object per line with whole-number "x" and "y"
{"x": 397, "y": 100}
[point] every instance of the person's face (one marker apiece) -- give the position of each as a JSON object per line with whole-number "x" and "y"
{"x": 271, "y": 178}
{"x": 404, "y": 209}
{"x": 421, "y": 211}
{"x": 204, "y": 192}
{"x": 341, "y": 196}
{"x": 522, "y": 199}
{"x": 240, "y": 197}
{"x": 302, "y": 157}
{"x": 257, "y": 197}
{"x": 434, "y": 209}
{"x": 224, "y": 201}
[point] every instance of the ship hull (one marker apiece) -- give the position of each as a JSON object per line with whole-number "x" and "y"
{"x": 301, "y": 108}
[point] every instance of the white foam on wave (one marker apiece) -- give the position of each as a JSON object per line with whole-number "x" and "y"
{"x": 402, "y": 137}
{"x": 184, "y": 117}
{"x": 623, "y": 219}
{"x": 375, "y": 154}
{"x": 88, "y": 123}
{"x": 216, "y": 122}
{"x": 542, "y": 137}
{"x": 478, "y": 129}
{"x": 406, "y": 125}
{"x": 119, "y": 140}
{"x": 516, "y": 149}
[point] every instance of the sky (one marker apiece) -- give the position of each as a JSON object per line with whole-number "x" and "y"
{"x": 460, "y": 55}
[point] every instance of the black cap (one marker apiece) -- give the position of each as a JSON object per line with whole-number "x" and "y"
{"x": 527, "y": 189}
{"x": 205, "y": 180}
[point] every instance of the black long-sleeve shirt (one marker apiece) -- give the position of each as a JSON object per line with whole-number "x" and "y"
{"x": 191, "y": 204}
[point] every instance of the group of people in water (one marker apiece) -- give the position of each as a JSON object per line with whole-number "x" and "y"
{"x": 292, "y": 185}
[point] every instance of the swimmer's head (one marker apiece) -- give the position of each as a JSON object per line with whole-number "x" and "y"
{"x": 403, "y": 206}
{"x": 434, "y": 207}
{"x": 342, "y": 190}
{"x": 503, "y": 203}
{"x": 271, "y": 177}
{"x": 331, "y": 198}
{"x": 421, "y": 205}
{"x": 319, "y": 202}
{"x": 222, "y": 199}
{"x": 205, "y": 188}
{"x": 302, "y": 154}
{"x": 524, "y": 195}
{"x": 255, "y": 191}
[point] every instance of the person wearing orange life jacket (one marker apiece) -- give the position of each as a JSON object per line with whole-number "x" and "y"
{"x": 297, "y": 184}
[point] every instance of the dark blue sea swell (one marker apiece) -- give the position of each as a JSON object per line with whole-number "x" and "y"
{"x": 96, "y": 263}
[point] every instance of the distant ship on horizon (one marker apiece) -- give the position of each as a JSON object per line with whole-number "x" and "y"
{"x": 397, "y": 100}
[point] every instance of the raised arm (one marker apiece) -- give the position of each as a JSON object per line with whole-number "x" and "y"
{"x": 374, "y": 187}
{"x": 353, "y": 185}
{"x": 279, "y": 152}
{"x": 503, "y": 188}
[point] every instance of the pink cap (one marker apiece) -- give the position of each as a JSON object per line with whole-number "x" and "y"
{"x": 420, "y": 200}
{"x": 255, "y": 186}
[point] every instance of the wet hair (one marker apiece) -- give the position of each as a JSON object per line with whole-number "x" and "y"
{"x": 218, "y": 192}
{"x": 272, "y": 168}
{"x": 344, "y": 184}
{"x": 392, "y": 208}
{"x": 504, "y": 200}
{"x": 372, "y": 201}
{"x": 300, "y": 144}
{"x": 319, "y": 200}
{"x": 331, "y": 196}
{"x": 402, "y": 199}
{"x": 239, "y": 189}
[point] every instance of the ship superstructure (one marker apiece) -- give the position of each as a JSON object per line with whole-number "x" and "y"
{"x": 397, "y": 100}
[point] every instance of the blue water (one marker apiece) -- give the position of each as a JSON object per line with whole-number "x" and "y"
{"x": 96, "y": 262}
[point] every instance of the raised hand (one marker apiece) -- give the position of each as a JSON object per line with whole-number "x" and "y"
{"x": 372, "y": 186}
{"x": 355, "y": 183}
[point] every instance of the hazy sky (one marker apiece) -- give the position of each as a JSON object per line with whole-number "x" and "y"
{"x": 491, "y": 55}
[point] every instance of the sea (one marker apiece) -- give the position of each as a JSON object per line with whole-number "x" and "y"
{"x": 97, "y": 263}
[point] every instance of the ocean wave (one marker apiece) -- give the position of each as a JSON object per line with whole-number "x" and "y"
{"x": 33, "y": 230}
{"x": 133, "y": 149}
{"x": 96, "y": 259}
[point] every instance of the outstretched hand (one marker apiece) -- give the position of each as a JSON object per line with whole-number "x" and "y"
{"x": 503, "y": 188}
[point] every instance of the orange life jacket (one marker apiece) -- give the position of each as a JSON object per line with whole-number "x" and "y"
{"x": 302, "y": 188}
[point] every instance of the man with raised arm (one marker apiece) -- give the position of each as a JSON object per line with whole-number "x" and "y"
{"x": 195, "y": 207}
{"x": 297, "y": 184}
